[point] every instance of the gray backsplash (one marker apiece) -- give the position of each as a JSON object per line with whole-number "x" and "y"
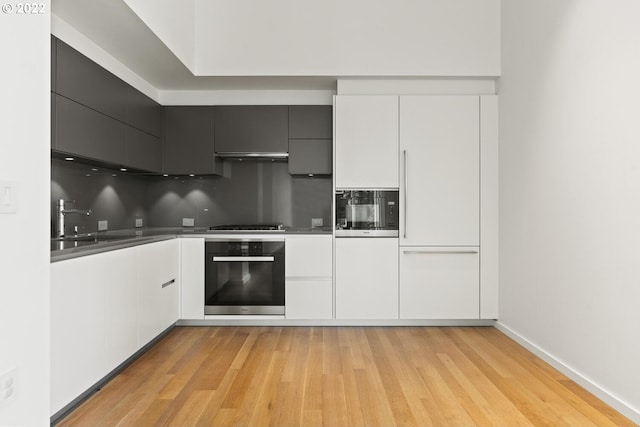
{"x": 249, "y": 192}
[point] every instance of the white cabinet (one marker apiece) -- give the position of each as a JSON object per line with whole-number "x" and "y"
{"x": 118, "y": 272}
{"x": 440, "y": 171}
{"x": 366, "y": 138}
{"x": 308, "y": 281}
{"x": 366, "y": 278}
{"x": 439, "y": 283}
{"x": 158, "y": 288}
{"x": 104, "y": 307}
{"x": 77, "y": 327}
{"x": 192, "y": 278}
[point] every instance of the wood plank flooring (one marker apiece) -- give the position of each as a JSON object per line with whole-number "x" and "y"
{"x": 346, "y": 376}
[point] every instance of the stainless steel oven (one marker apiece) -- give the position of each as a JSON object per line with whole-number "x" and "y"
{"x": 244, "y": 276}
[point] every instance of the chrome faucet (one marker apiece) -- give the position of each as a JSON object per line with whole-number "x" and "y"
{"x": 62, "y": 212}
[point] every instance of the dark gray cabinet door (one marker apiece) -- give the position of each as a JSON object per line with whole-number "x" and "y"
{"x": 82, "y": 80}
{"x": 310, "y": 121}
{"x": 251, "y": 129}
{"x": 84, "y": 132}
{"x": 310, "y": 156}
{"x": 189, "y": 141}
{"x": 54, "y": 60}
{"x": 143, "y": 112}
{"x": 54, "y": 120}
{"x": 143, "y": 151}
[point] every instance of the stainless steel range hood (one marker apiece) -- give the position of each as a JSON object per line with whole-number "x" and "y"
{"x": 253, "y": 156}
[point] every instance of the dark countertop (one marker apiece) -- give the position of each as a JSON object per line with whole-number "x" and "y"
{"x": 94, "y": 243}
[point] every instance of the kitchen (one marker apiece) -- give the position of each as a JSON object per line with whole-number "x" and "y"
{"x": 550, "y": 336}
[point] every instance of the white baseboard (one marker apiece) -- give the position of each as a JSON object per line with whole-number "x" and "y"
{"x": 624, "y": 408}
{"x": 279, "y": 321}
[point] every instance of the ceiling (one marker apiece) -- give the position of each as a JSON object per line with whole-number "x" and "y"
{"x": 113, "y": 26}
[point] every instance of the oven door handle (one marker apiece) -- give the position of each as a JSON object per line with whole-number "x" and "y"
{"x": 243, "y": 258}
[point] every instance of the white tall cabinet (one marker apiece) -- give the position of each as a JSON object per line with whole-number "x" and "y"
{"x": 440, "y": 171}
{"x": 366, "y": 141}
{"x": 440, "y": 207}
{"x": 446, "y": 152}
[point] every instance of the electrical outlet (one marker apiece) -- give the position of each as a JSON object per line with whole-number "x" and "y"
{"x": 103, "y": 225}
{"x": 188, "y": 222}
{"x": 138, "y": 222}
{"x": 316, "y": 222}
{"x": 7, "y": 387}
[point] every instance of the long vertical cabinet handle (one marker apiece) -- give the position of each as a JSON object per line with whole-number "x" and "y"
{"x": 406, "y": 192}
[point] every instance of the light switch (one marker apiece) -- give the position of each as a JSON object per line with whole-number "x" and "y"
{"x": 138, "y": 222}
{"x": 8, "y": 197}
{"x": 103, "y": 225}
{"x": 188, "y": 222}
{"x": 7, "y": 386}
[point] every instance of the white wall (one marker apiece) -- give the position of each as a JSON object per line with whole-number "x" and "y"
{"x": 347, "y": 38}
{"x": 570, "y": 188}
{"x": 24, "y": 252}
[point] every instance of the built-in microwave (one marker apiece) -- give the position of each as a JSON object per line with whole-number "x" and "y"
{"x": 366, "y": 213}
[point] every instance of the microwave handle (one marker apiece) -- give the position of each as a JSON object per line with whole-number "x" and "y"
{"x": 406, "y": 192}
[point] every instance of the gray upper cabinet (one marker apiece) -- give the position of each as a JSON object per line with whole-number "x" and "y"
{"x": 142, "y": 150}
{"x": 82, "y": 80}
{"x": 97, "y": 116}
{"x": 310, "y": 157}
{"x": 84, "y": 132}
{"x": 310, "y": 121}
{"x": 251, "y": 129}
{"x": 310, "y": 139}
{"x": 143, "y": 112}
{"x": 54, "y": 60}
{"x": 189, "y": 141}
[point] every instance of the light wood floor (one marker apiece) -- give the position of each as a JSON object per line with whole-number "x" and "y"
{"x": 348, "y": 376}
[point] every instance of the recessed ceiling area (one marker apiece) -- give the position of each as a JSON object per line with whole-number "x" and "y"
{"x": 286, "y": 45}
{"x": 113, "y": 26}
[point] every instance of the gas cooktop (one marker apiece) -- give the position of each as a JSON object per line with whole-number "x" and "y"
{"x": 247, "y": 227}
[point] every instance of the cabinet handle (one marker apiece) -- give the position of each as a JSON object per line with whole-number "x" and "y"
{"x": 164, "y": 285}
{"x": 436, "y": 252}
{"x": 406, "y": 192}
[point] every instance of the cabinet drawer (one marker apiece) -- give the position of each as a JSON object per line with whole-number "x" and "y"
{"x": 439, "y": 283}
{"x": 309, "y": 256}
{"x": 309, "y": 299}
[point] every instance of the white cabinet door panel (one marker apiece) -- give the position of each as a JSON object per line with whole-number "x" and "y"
{"x": 366, "y": 278}
{"x": 366, "y": 130}
{"x": 192, "y": 278}
{"x": 440, "y": 170}
{"x": 309, "y": 256}
{"x": 77, "y": 328}
{"x": 120, "y": 305}
{"x": 169, "y": 309}
{"x": 439, "y": 283}
{"x": 158, "y": 296}
{"x": 309, "y": 277}
{"x": 309, "y": 299}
